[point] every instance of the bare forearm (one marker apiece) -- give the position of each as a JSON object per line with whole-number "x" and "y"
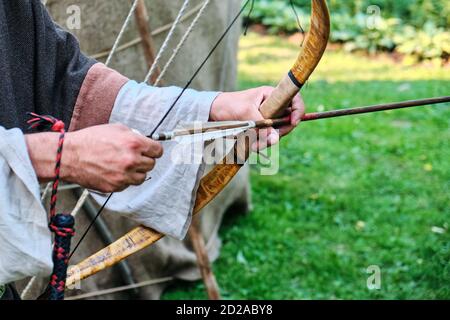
{"x": 42, "y": 149}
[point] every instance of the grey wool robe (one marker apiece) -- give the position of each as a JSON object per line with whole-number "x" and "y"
{"x": 43, "y": 71}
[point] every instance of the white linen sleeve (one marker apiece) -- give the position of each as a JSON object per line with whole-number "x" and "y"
{"x": 166, "y": 201}
{"x": 26, "y": 247}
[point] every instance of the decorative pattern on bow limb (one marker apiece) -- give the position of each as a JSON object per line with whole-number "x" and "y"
{"x": 213, "y": 183}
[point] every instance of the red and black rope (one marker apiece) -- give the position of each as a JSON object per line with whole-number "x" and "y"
{"x": 62, "y": 225}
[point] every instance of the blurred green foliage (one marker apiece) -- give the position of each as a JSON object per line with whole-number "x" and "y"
{"x": 414, "y": 12}
{"x": 418, "y": 28}
{"x": 351, "y": 192}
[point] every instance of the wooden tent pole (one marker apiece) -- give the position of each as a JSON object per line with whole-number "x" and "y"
{"x": 198, "y": 243}
{"x": 142, "y": 21}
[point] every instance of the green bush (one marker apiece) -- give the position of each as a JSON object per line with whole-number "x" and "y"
{"x": 414, "y": 12}
{"x": 425, "y": 36}
{"x": 427, "y": 43}
{"x": 277, "y": 16}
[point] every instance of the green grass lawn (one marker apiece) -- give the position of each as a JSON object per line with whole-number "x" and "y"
{"x": 351, "y": 192}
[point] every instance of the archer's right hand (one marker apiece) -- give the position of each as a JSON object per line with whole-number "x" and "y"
{"x": 107, "y": 158}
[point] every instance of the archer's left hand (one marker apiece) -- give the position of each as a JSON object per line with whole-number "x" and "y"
{"x": 245, "y": 105}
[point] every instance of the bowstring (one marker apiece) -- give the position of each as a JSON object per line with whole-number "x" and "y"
{"x": 249, "y": 16}
{"x": 299, "y": 23}
{"x": 188, "y": 84}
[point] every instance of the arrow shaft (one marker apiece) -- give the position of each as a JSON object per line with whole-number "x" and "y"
{"x": 354, "y": 111}
{"x": 374, "y": 108}
{"x": 307, "y": 117}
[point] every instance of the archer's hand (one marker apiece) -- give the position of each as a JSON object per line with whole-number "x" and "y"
{"x": 107, "y": 158}
{"x": 245, "y": 105}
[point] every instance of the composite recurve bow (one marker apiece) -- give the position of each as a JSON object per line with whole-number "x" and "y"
{"x": 216, "y": 180}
